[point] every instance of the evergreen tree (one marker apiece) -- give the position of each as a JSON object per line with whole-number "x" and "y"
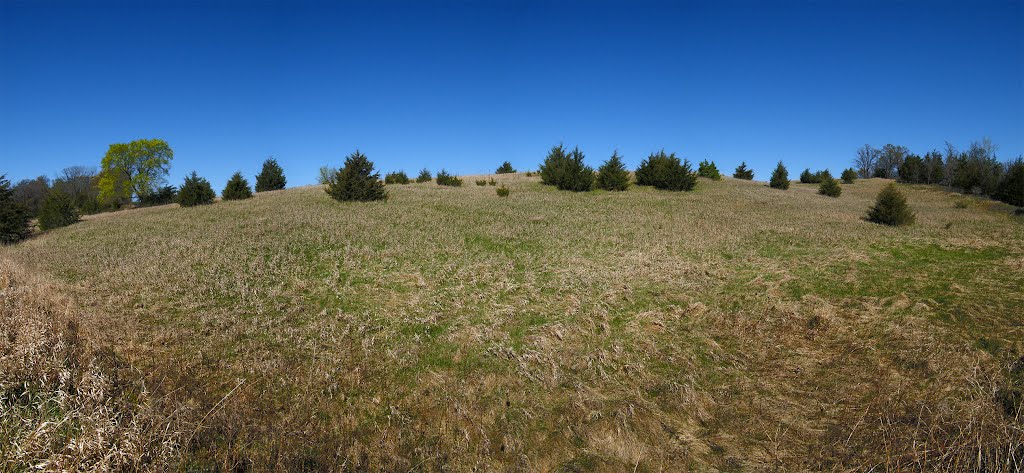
{"x": 195, "y": 191}
{"x": 612, "y": 175}
{"x": 356, "y": 181}
{"x": 891, "y": 208}
{"x": 445, "y": 179}
{"x": 829, "y": 186}
{"x": 566, "y": 171}
{"x": 398, "y": 177}
{"x": 912, "y": 170}
{"x": 164, "y": 195}
{"x": 58, "y": 210}
{"x": 505, "y": 168}
{"x": 13, "y": 215}
{"x": 424, "y": 176}
{"x": 665, "y": 171}
{"x": 271, "y": 178}
{"x": 780, "y": 177}
{"x": 742, "y": 172}
{"x": 237, "y": 188}
{"x": 709, "y": 170}
{"x": 849, "y": 176}
{"x": 1011, "y": 187}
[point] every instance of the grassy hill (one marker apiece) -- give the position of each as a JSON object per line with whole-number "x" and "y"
{"x": 735, "y": 327}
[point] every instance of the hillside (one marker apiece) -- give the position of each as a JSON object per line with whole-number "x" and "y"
{"x": 734, "y": 327}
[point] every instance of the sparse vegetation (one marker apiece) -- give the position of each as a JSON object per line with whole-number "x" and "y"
{"x": 709, "y": 170}
{"x": 58, "y": 211}
{"x": 666, "y": 172}
{"x": 195, "y": 191}
{"x": 566, "y": 170}
{"x": 237, "y": 188}
{"x": 612, "y": 175}
{"x": 742, "y": 172}
{"x": 780, "y": 178}
{"x": 271, "y": 177}
{"x": 397, "y": 177}
{"x": 356, "y": 181}
{"x": 891, "y": 208}
{"x": 505, "y": 168}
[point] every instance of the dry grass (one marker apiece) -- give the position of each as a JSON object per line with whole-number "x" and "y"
{"x": 734, "y": 328}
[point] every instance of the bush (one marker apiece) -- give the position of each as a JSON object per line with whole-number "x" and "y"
{"x": 529, "y": 173}
{"x": 709, "y": 170}
{"x": 807, "y": 177}
{"x": 271, "y": 178}
{"x": 849, "y": 176}
{"x": 891, "y": 208}
{"x": 780, "y": 177}
{"x": 502, "y": 191}
{"x": 58, "y": 210}
{"x": 195, "y": 191}
{"x": 505, "y": 168}
{"x": 326, "y": 174}
{"x": 492, "y": 182}
{"x": 742, "y": 172}
{"x": 566, "y": 171}
{"x": 13, "y": 215}
{"x": 829, "y": 186}
{"x": 1011, "y": 187}
{"x": 481, "y": 182}
{"x": 424, "y": 176}
{"x": 398, "y": 177}
{"x": 665, "y": 171}
{"x": 356, "y": 181}
{"x": 162, "y": 196}
{"x": 445, "y": 179}
{"x": 237, "y": 188}
{"x": 612, "y": 175}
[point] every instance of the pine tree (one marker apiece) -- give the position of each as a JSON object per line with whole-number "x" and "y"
{"x": 505, "y": 168}
{"x": 237, "y": 188}
{"x": 398, "y": 177}
{"x": 665, "y": 171}
{"x": 891, "y": 208}
{"x": 742, "y": 172}
{"x": 356, "y": 181}
{"x": 58, "y": 210}
{"x": 13, "y": 215}
{"x": 271, "y": 178}
{"x": 1011, "y": 187}
{"x": 829, "y": 186}
{"x": 566, "y": 171}
{"x": 445, "y": 179}
{"x": 424, "y": 176}
{"x": 780, "y": 178}
{"x": 195, "y": 191}
{"x": 612, "y": 175}
{"x": 849, "y": 176}
{"x": 709, "y": 170}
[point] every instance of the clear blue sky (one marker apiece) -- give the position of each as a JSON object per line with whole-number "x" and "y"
{"x": 467, "y": 85}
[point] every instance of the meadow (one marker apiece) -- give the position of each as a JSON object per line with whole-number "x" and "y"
{"x": 734, "y": 328}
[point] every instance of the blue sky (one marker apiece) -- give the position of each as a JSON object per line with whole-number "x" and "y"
{"x": 467, "y": 85}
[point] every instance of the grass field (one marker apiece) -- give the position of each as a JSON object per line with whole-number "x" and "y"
{"x": 732, "y": 328}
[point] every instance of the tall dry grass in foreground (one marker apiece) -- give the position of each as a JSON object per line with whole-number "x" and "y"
{"x": 732, "y": 328}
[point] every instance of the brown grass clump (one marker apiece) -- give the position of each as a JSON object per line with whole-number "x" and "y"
{"x": 64, "y": 408}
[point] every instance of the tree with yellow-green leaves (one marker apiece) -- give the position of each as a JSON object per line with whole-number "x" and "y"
{"x": 134, "y": 170}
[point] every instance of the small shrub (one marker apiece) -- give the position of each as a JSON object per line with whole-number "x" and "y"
{"x": 780, "y": 178}
{"x": 709, "y": 170}
{"x": 742, "y": 172}
{"x": 1011, "y": 186}
{"x": 445, "y": 179}
{"x": 961, "y": 204}
{"x": 891, "y": 208}
{"x": 13, "y": 215}
{"x": 829, "y": 186}
{"x": 397, "y": 177}
{"x": 356, "y": 181}
{"x": 195, "y": 191}
{"x": 326, "y": 174}
{"x": 58, "y": 210}
{"x": 849, "y": 176}
{"x": 492, "y": 182}
{"x": 566, "y": 171}
{"x": 162, "y": 196}
{"x": 505, "y": 168}
{"x": 612, "y": 175}
{"x": 665, "y": 171}
{"x": 481, "y": 182}
{"x": 271, "y": 178}
{"x": 529, "y": 173}
{"x": 502, "y": 191}
{"x": 237, "y": 188}
{"x": 424, "y": 176}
